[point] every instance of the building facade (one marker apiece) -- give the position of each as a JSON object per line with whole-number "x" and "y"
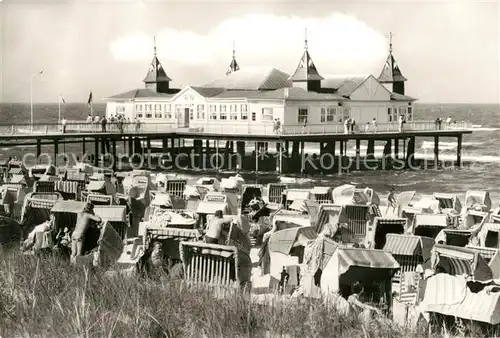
{"x": 251, "y": 99}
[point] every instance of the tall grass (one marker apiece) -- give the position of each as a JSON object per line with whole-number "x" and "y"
{"x": 46, "y": 297}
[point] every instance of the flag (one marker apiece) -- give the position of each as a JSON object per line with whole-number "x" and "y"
{"x": 89, "y": 102}
{"x": 61, "y": 99}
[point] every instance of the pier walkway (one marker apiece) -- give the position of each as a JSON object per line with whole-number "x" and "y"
{"x": 228, "y": 140}
{"x": 235, "y": 131}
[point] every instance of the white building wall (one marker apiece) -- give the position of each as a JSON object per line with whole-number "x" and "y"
{"x": 363, "y": 112}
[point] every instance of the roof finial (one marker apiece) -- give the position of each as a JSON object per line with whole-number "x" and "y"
{"x": 234, "y": 49}
{"x": 154, "y": 44}
{"x": 390, "y": 42}
{"x": 305, "y": 39}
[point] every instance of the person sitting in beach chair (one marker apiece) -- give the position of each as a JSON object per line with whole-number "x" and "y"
{"x": 39, "y": 230}
{"x": 364, "y": 311}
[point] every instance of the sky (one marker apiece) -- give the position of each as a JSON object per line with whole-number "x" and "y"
{"x": 448, "y": 50}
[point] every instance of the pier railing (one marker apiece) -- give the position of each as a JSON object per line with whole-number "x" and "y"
{"x": 76, "y": 127}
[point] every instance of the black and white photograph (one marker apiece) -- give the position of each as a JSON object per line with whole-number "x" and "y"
{"x": 272, "y": 168}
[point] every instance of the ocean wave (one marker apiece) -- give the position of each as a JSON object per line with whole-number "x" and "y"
{"x": 448, "y": 145}
{"x": 479, "y": 127}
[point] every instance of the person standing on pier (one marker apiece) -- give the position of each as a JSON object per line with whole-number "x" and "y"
{"x": 374, "y": 125}
{"x": 304, "y": 126}
{"x": 63, "y": 123}
{"x": 89, "y": 119}
{"x": 401, "y": 122}
{"x": 448, "y": 122}
{"x": 347, "y": 125}
{"x": 278, "y": 126}
{"x": 104, "y": 121}
{"x": 353, "y": 125}
{"x": 367, "y": 127}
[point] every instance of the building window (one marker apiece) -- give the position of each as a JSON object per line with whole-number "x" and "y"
{"x": 191, "y": 113}
{"x": 244, "y": 115}
{"x": 213, "y": 112}
{"x": 139, "y": 115}
{"x": 158, "y": 113}
{"x": 344, "y": 114}
{"x": 389, "y": 114}
{"x": 233, "y": 115}
{"x": 394, "y": 114}
{"x": 254, "y": 116}
{"x": 223, "y": 114}
{"x": 409, "y": 114}
{"x": 148, "y": 107}
{"x": 178, "y": 108}
{"x": 222, "y": 108}
{"x": 168, "y": 112}
{"x": 120, "y": 109}
{"x": 233, "y": 108}
{"x": 328, "y": 114}
{"x": 302, "y": 117}
{"x": 200, "y": 112}
{"x": 138, "y": 107}
{"x": 267, "y": 114}
{"x": 243, "y": 108}
{"x": 402, "y": 111}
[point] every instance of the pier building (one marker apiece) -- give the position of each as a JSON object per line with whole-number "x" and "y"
{"x": 251, "y": 98}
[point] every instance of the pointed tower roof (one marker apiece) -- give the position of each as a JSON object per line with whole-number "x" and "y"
{"x": 391, "y": 72}
{"x": 306, "y": 70}
{"x": 156, "y": 73}
{"x": 233, "y": 66}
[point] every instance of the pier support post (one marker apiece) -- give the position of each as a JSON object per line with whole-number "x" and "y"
{"x": 302, "y": 156}
{"x": 96, "y": 152}
{"x": 341, "y": 148}
{"x": 130, "y": 146}
{"x": 410, "y": 153}
{"x": 287, "y": 148}
{"x": 279, "y": 165}
{"x": 103, "y": 145}
{"x": 256, "y": 159}
{"x": 387, "y": 154}
{"x": 396, "y": 148}
{"x": 113, "y": 150}
{"x": 370, "y": 150}
{"x": 83, "y": 146}
{"x": 240, "y": 148}
{"x": 198, "y": 155}
{"x": 148, "y": 145}
{"x": 38, "y": 148}
{"x": 321, "y": 148}
{"x": 56, "y": 150}
{"x": 459, "y": 151}
{"x": 436, "y": 152}
{"x": 358, "y": 153}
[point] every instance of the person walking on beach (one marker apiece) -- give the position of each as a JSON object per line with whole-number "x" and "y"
{"x": 391, "y": 202}
{"x": 104, "y": 121}
{"x": 374, "y": 125}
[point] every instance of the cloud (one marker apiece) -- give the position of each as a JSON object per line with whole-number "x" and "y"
{"x": 338, "y": 43}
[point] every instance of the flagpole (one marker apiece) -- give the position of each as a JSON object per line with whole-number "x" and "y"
{"x": 59, "y": 101}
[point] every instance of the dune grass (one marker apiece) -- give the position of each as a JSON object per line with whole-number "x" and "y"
{"x": 49, "y": 298}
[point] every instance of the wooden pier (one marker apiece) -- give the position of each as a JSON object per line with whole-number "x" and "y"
{"x": 211, "y": 148}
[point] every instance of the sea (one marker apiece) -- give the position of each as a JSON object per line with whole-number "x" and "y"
{"x": 480, "y": 150}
